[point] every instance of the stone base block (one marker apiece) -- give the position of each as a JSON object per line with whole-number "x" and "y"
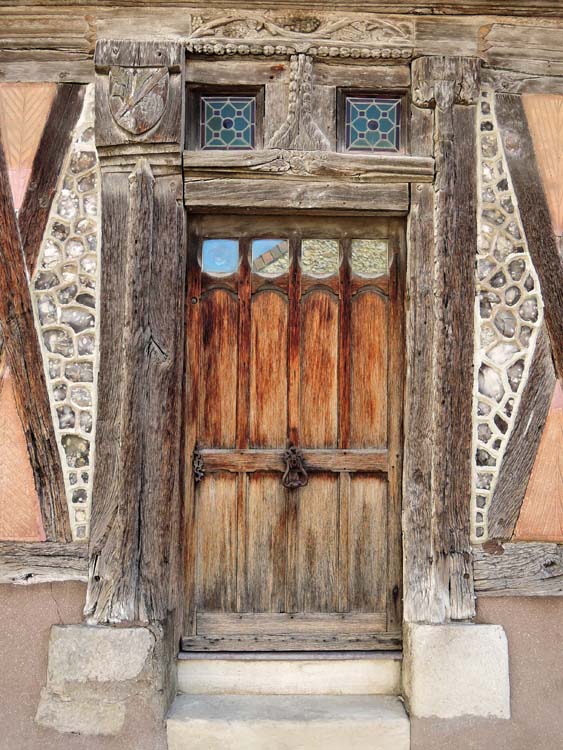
{"x": 93, "y": 673}
{"x": 456, "y": 670}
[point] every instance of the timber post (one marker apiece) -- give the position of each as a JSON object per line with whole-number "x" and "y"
{"x": 135, "y": 558}
{"x": 443, "y": 236}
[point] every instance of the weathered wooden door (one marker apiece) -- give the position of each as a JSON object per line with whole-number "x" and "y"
{"x": 294, "y": 340}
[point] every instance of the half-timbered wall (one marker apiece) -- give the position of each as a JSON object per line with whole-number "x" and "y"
{"x": 513, "y": 490}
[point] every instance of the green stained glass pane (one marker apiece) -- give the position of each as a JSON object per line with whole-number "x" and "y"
{"x": 370, "y": 258}
{"x": 270, "y": 257}
{"x": 372, "y": 123}
{"x": 320, "y": 258}
{"x": 228, "y": 123}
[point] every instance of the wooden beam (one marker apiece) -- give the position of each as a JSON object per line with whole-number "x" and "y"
{"x": 47, "y": 165}
{"x": 43, "y": 562}
{"x": 535, "y": 215}
{"x": 136, "y": 536}
{"x": 514, "y": 82}
{"x": 274, "y": 195}
{"x": 522, "y": 447}
{"x": 26, "y": 365}
{"x": 518, "y": 569}
{"x": 310, "y": 165}
{"x": 315, "y": 460}
{"x": 440, "y": 280}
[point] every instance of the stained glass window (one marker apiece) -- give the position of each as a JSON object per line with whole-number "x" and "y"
{"x": 372, "y": 123}
{"x": 369, "y": 258}
{"x": 320, "y": 258}
{"x": 270, "y": 257}
{"x": 219, "y": 257}
{"x": 228, "y": 123}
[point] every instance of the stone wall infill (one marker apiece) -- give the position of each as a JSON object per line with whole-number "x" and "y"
{"x": 96, "y": 672}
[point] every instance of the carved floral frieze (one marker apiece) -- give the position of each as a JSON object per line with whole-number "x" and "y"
{"x": 322, "y": 35}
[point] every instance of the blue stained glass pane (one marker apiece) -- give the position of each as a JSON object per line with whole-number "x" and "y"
{"x": 219, "y": 256}
{"x": 227, "y": 123}
{"x": 372, "y": 123}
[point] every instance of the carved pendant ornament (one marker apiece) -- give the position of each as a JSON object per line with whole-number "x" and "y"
{"x": 322, "y": 35}
{"x": 138, "y": 97}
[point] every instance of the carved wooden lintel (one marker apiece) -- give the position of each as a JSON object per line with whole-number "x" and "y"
{"x": 320, "y": 35}
{"x": 136, "y": 541}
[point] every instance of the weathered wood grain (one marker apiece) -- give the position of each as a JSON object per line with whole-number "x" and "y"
{"x": 315, "y": 460}
{"x": 535, "y": 216}
{"x": 437, "y": 474}
{"x": 362, "y": 642}
{"x": 135, "y": 547}
{"x": 522, "y": 447}
{"x": 520, "y": 569}
{"x": 529, "y": 48}
{"x": 47, "y": 165}
{"x": 43, "y": 562}
{"x": 515, "y": 82}
{"x": 310, "y": 164}
{"x": 26, "y": 366}
{"x": 258, "y": 194}
{"x": 456, "y": 237}
{"x": 298, "y": 623}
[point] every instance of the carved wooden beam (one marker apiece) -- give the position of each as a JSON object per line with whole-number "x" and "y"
{"x": 136, "y": 540}
{"x": 443, "y": 233}
{"x": 518, "y": 569}
{"x": 23, "y": 357}
{"x": 536, "y": 218}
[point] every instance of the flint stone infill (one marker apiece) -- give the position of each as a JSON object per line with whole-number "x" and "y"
{"x": 456, "y": 670}
{"x": 93, "y": 673}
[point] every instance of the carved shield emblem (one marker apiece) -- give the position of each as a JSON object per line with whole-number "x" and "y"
{"x": 137, "y": 97}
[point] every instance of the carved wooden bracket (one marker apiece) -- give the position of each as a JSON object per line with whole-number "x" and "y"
{"x": 443, "y": 81}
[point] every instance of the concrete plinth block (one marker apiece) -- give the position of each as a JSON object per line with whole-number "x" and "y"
{"x": 456, "y": 670}
{"x": 282, "y": 722}
{"x": 95, "y": 671}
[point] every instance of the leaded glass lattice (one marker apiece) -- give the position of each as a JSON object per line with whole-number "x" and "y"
{"x": 372, "y": 123}
{"x": 228, "y": 123}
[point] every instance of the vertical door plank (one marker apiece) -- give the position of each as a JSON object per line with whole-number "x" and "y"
{"x": 216, "y": 518}
{"x": 243, "y": 374}
{"x": 319, "y": 370}
{"x": 218, "y": 390}
{"x": 293, "y": 344}
{"x": 369, "y": 371}
{"x": 317, "y": 552}
{"x": 344, "y": 350}
{"x": 344, "y": 541}
{"x": 268, "y": 371}
{"x": 368, "y": 544}
{"x": 262, "y": 581}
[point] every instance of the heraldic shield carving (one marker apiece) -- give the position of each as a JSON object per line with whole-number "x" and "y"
{"x": 137, "y": 97}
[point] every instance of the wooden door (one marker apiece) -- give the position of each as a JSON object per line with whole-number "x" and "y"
{"x": 295, "y": 338}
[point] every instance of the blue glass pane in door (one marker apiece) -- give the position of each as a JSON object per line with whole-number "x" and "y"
{"x": 373, "y": 123}
{"x": 228, "y": 123}
{"x": 219, "y": 256}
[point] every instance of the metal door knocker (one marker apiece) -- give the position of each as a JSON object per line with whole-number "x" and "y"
{"x": 295, "y": 474}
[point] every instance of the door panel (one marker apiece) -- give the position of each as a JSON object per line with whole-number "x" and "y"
{"x": 262, "y": 578}
{"x": 218, "y": 378}
{"x": 368, "y": 409}
{"x": 268, "y": 370}
{"x": 318, "y": 425}
{"x": 289, "y": 347}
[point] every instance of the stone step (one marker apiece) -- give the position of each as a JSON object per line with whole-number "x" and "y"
{"x": 281, "y": 674}
{"x": 288, "y": 722}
